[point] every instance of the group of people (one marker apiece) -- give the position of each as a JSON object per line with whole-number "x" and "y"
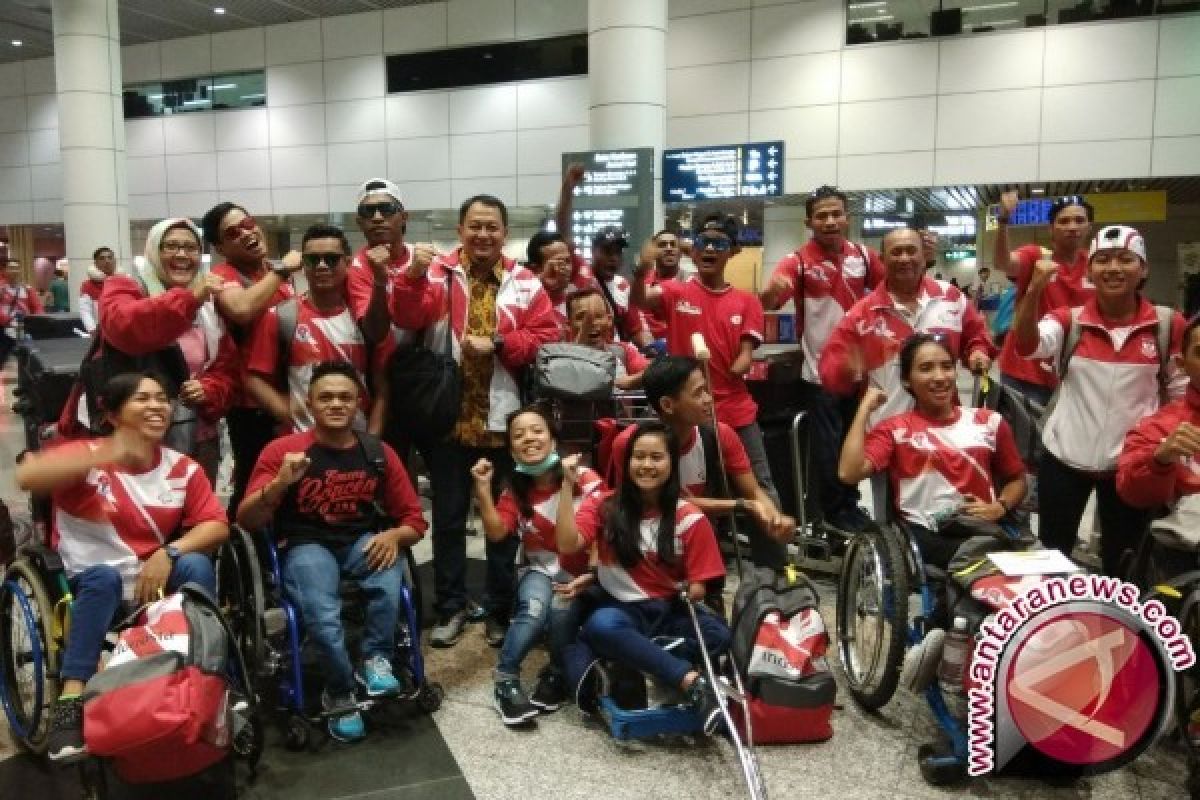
{"x": 301, "y": 379}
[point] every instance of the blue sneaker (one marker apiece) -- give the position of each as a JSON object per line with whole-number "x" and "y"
{"x": 377, "y": 677}
{"x": 344, "y": 727}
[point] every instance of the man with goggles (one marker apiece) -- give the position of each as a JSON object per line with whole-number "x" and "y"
{"x": 251, "y": 285}
{"x": 377, "y": 267}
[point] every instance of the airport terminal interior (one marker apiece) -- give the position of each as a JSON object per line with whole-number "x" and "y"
{"x": 116, "y": 114}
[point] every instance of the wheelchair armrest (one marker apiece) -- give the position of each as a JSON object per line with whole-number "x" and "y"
{"x": 46, "y": 559}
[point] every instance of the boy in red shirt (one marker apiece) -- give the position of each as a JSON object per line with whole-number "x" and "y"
{"x": 731, "y": 321}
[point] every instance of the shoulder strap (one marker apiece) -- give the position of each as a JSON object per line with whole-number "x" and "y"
{"x": 287, "y": 314}
{"x": 714, "y": 481}
{"x": 372, "y": 450}
{"x": 1166, "y": 316}
{"x": 1071, "y": 339}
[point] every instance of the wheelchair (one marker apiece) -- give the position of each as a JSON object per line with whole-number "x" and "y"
{"x": 278, "y": 644}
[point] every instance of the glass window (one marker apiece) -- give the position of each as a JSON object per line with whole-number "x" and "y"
{"x": 235, "y": 90}
{"x": 484, "y": 64}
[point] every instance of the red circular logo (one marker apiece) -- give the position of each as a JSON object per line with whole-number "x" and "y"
{"x": 1083, "y": 688}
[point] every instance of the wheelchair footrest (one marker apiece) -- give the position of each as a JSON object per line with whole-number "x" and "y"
{"x": 646, "y": 723}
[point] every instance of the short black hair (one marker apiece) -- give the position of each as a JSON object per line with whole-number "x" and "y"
{"x": 1061, "y": 204}
{"x": 321, "y": 230}
{"x": 654, "y": 238}
{"x": 665, "y": 377}
{"x": 533, "y": 251}
{"x": 119, "y": 388}
{"x": 824, "y": 193}
{"x": 336, "y": 367}
{"x": 908, "y": 351}
{"x": 590, "y": 291}
{"x": 102, "y": 249}
{"x": 490, "y": 201}
{"x": 210, "y": 224}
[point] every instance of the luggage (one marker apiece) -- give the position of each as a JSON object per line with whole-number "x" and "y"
{"x": 161, "y": 709}
{"x": 574, "y": 372}
{"x": 46, "y": 371}
{"x": 779, "y": 644}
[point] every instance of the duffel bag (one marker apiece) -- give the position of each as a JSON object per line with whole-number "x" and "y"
{"x": 574, "y": 371}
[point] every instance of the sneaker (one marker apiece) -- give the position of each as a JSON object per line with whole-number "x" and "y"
{"x": 377, "y": 678}
{"x": 591, "y": 684}
{"x": 851, "y": 519}
{"x": 346, "y": 727}
{"x": 64, "y": 742}
{"x": 494, "y": 631}
{"x": 448, "y": 629}
{"x": 703, "y": 699}
{"x": 550, "y": 692}
{"x": 511, "y": 702}
{"x": 921, "y": 662}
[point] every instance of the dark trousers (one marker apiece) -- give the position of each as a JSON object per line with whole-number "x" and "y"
{"x": 250, "y": 430}
{"x": 829, "y": 416}
{"x": 1066, "y": 491}
{"x": 449, "y": 465}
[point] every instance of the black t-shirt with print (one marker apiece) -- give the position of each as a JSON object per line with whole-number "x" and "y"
{"x": 334, "y": 503}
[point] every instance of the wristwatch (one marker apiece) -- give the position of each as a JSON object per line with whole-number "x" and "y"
{"x": 172, "y": 552}
{"x": 498, "y": 343}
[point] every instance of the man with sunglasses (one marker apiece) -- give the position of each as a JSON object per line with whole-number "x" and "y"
{"x": 377, "y": 267}
{"x": 825, "y": 278}
{"x": 321, "y": 329}
{"x": 731, "y": 321}
{"x": 1070, "y": 228}
{"x": 250, "y": 285}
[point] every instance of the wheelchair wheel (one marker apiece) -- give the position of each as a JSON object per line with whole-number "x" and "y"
{"x": 414, "y": 584}
{"x": 240, "y": 595}
{"x": 872, "y": 603}
{"x": 29, "y": 670}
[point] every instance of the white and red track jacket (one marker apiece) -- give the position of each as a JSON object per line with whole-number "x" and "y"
{"x": 1142, "y": 481}
{"x": 525, "y": 320}
{"x": 866, "y": 343}
{"x": 830, "y": 288}
{"x": 1111, "y": 382}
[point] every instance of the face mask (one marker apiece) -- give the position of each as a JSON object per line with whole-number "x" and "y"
{"x": 540, "y": 468}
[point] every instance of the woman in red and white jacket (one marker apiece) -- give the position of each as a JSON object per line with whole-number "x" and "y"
{"x": 168, "y": 305}
{"x": 1160, "y": 461}
{"x": 1115, "y": 376}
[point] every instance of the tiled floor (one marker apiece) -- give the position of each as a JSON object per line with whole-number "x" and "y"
{"x": 466, "y": 751}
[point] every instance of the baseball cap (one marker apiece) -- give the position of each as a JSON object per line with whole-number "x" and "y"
{"x": 610, "y": 236}
{"x": 379, "y": 185}
{"x": 1118, "y": 237}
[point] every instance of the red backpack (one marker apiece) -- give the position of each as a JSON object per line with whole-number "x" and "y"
{"x": 160, "y": 708}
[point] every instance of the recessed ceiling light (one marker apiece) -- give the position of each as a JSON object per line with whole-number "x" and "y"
{"x": 219, "y": 10}
{"x": 1038, "y": 190}
{"x": 17, "y": 43}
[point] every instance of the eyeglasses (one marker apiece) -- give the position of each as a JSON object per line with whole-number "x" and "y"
{"x": 387, "y": 209}
{"x": 176, "y": 247}
{"x": 557, "y": 263}
{"x": 247, "y": 225}
{"x": 718, "y": 243}
{"x": 331, "y": 260}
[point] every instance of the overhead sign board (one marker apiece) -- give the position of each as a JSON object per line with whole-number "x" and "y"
{"x": 726, "y": 172}
{"x": 617, "y": 189}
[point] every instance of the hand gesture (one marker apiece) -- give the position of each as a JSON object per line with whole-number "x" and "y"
{"x": 647, "y": 258}
{"x": 477, "y": 345}
{"x": 1008, "y": 204}
{"x": 382, "y": 550}
{"x": 192, "y": 393}
{"x": 575, "y": 174}
{"x": 1043, "y": 272}
{"x": 126, "y": 448}
{"x": 992, "y": 511}
{"x": 422, "y": 257}
{"x": 378, "y": 258}
{"x": 293, "y": 468}
{"x": 209, "y": 285}
{"x": 570, "y": 468}
{"x": 573, "y": 588}
{"x": 873, "y": 399}
{"x": 152, "y": 578}
{"x": 482, "y": 472}
{"x": 292, "y": 260}
{"x": 1180, "y": 443}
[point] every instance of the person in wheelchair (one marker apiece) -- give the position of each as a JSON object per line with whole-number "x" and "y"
{"x": 1159, "y": 465}
{"x": 548, "y": 585}
{"x": 944, "y": 462}
{"x": 132, "y": 519}
{"x": 649, "y": 542}
{"x": 328, "y": 505}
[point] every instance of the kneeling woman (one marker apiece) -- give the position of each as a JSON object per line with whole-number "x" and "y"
{"x": 648, "y": 543}
{"x": 944, "y": 461}
{"x": 132, "y": 519}
{"x": 548, "y": 585}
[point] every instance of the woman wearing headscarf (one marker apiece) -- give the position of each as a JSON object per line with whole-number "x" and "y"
{"x": 163, "y": 316}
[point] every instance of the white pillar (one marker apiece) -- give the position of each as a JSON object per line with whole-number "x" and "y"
{"x": 627, "y": 78}
{"x": 91, "y": 130}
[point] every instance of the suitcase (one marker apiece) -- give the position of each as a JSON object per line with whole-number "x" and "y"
{"x": 46, "y": 370}
{"x": 52, "y": 325}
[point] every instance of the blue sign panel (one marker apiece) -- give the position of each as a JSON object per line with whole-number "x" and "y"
{"x": 723, "y": 173}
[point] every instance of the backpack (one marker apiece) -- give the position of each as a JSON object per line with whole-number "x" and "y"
{"x": 779, "y": 645}
{"x": 160, "y": 709}
{"x": 574, "y": 372}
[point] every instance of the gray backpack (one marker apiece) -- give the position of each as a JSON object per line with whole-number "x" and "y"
{"x": 574, "y": 372}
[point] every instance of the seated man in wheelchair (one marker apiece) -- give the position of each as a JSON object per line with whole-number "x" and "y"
{"x": 1159, "y": 468}
{"x": 328, "y": 504}
{"x": 132, "y": 519}
{"x": 944, "y": 461}
{"x": 649, "y": 542}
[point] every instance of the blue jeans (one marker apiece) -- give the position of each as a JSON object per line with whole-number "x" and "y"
{"x": 538, "y": 610}
{"x": 449, "y": 466}
{"x": 623, "y": 632}
{"x": 311, "y": 575}
{"x": 828, "y": 418}
{"x": 98, "y": 602}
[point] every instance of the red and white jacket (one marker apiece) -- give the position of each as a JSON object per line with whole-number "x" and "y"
{"x": 830, "y": 288}
{"x": 537, "y": 532}
{"x": 524, "y": 320}
{"x": 120, "y": 518}
{"x": 1145, "y": 483}
{"x": 1111, "y": 382}
{"x": 871, "y": 334}
{"x": 698, "y": 559}
{"x": 360, "y": 282}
